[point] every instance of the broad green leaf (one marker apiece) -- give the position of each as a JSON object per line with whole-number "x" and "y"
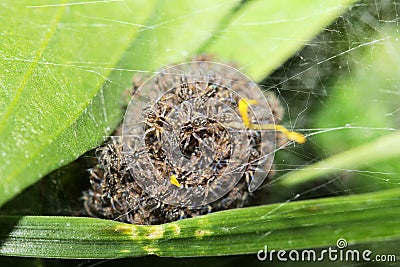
{"x": 285, "y": 26}
{"x": 176, "y": 31}
{"x": 296, "y": 225}
{"x": 59, "y": 95}
{"x": 54, "y": 62}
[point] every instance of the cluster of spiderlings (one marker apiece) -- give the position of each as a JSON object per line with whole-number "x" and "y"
{"x": 185, "y": 149}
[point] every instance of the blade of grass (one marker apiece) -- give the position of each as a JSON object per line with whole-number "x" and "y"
{"x": 384, "y": 148}
{"x": 346, "y": 103}
{"x": 295, "y": 225}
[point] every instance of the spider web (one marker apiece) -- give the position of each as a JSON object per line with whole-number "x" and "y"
{"x": 342, "y": 90}
{"x": 336, "y": 90}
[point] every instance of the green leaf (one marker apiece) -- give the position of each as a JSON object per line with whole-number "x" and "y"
{"x": 296, "y": 225}
{"x": 51, "y": 102}
{"x": 264, "y": 34}
{"x": 63, "y": 71}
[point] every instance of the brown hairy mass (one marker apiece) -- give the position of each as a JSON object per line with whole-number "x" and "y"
{"x": 115, "y": 194}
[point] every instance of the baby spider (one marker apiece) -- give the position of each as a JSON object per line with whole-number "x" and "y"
{"x": 193, "y": 133}
{"x": 154, "y": 124}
